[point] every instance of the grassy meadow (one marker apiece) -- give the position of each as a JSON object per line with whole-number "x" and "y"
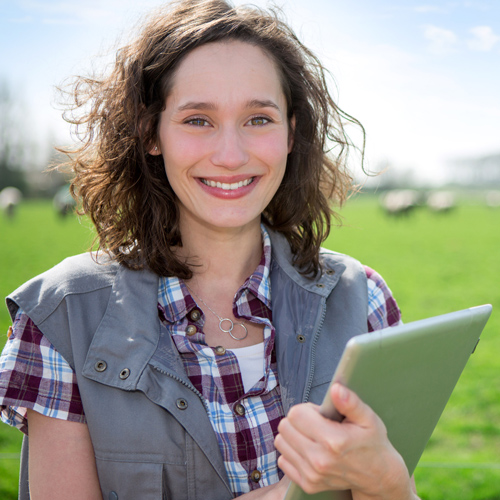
{"x": 434, "y": 264}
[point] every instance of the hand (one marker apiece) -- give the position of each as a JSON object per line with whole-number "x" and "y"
{"x": 319, "y": 454}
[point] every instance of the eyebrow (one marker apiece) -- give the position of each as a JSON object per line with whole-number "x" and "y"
{"x": 266, "y": 103}
{"x": 197, "y": 105}
{"x": 211, "y": 106}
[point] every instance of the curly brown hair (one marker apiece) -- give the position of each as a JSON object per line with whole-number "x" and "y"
{"x": 125, "y": 191}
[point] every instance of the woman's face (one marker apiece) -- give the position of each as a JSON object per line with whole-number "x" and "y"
{"x": 224, "y": 135}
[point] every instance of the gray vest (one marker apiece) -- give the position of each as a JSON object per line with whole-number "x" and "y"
{"x": 149, "y": 426}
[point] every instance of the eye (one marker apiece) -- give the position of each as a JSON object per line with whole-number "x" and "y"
{"x": 197, "y": 122}
{"x": 258, "y": 121}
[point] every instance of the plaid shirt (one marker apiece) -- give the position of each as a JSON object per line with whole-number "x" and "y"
{"x": 33, "y": 375}
{"x": 245, "y": 423}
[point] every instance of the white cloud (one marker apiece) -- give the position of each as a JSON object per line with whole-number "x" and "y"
{"x": 484, "y": 39}
{"x": 441, "y": 40}
{"x": 409, "y": 111}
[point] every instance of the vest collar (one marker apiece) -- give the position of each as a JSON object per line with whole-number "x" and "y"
{"x": 127, "y": 335}
{"x": 322, "y": 284}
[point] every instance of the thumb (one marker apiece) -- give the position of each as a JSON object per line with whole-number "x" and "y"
{"x": 350, "y": 405}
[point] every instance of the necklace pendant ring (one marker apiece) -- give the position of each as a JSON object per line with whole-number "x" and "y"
{"x": 239, "y": 338}
{"x": 230, "y": 329}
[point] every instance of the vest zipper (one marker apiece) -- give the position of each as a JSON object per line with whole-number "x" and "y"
{"x": 184, "y": 383}
{"x": 313, "y": 351}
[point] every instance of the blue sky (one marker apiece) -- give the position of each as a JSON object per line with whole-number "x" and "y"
{"x": 422, "y": 77}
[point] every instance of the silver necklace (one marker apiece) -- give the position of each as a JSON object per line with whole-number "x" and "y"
{"x": 223, "y": 320}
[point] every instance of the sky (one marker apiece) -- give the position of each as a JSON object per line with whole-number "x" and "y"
{"x": 423, "y": 77}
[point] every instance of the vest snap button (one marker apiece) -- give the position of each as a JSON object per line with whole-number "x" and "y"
{"x": 124, "y": 373}
{"x": 100, "y": 366}
{"x": 181, "y": 403}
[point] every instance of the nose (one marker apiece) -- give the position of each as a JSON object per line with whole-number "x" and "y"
{"x": 229, "y": 150}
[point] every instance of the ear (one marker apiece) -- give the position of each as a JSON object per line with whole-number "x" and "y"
{"x": 154, "y": 151}
{"x": 291, "y": 133}
{"x": 150, "y": 145}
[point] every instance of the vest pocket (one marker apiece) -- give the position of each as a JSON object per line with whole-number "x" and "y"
{"x": 124, "y": 480}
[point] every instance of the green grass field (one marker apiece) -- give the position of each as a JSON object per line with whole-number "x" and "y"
{"x": 433, "y": 263}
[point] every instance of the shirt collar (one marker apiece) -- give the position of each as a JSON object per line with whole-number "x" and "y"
{"x": 175, "y": 301}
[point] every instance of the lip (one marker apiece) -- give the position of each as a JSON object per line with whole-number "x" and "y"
{"x": 228, "y": 194}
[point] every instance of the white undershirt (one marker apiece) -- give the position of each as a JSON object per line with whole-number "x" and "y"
{"x": 251, "y": 361}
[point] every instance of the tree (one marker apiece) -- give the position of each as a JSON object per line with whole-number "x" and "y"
{"x": 11, "y": 141}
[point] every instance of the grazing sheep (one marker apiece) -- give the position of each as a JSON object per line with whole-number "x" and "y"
{"x": 493, "y": 199}
{"x": 399, "y": 202}
{"x": 64, "y": 203}
{"x": 10, "y": 197}
{"x": 441, "y": 201}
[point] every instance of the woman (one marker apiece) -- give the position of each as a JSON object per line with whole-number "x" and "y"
{"x": 165, "y": 366}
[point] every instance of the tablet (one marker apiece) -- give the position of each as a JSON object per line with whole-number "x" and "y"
{"x": 406, "y": 374}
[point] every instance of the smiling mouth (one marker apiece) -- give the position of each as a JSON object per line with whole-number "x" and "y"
{"x": 228, "y": 186}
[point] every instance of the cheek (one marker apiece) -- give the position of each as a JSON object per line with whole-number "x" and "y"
{"x": 273, "y": 151}
{"x": 182, "y": 150}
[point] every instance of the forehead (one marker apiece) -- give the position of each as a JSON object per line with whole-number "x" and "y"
{"x": 227, "y": 71}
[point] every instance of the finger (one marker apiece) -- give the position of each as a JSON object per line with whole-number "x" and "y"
{"x": 313, "y": 472}
{"x": 298, "y": 452}
{"x": 309, "y": 463}
{"x": 300, "y": 471}
{"x": 307, "y": 420}
{"x": 293, "y": 444}
{"x": 353, "y": 408}
{"x": 289, "y": 469}
{"x": 289, "y": 460}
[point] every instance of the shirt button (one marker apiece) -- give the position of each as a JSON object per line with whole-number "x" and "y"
{"x": 191, "y": 330}
{"x": 240, "y": 410}
{"x": 195, "y": 315}
{"x": 256, "y": 475}
{"x": 219, "y": 350}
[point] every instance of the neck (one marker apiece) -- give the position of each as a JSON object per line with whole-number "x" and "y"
{"x": 221, "y": 258}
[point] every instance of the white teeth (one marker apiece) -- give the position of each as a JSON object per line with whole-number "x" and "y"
{"x": 227, "y": 186}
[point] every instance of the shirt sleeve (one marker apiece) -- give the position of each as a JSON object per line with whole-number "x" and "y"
{"x": 383, "y": 311}
{"x": 33, "y": 375}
